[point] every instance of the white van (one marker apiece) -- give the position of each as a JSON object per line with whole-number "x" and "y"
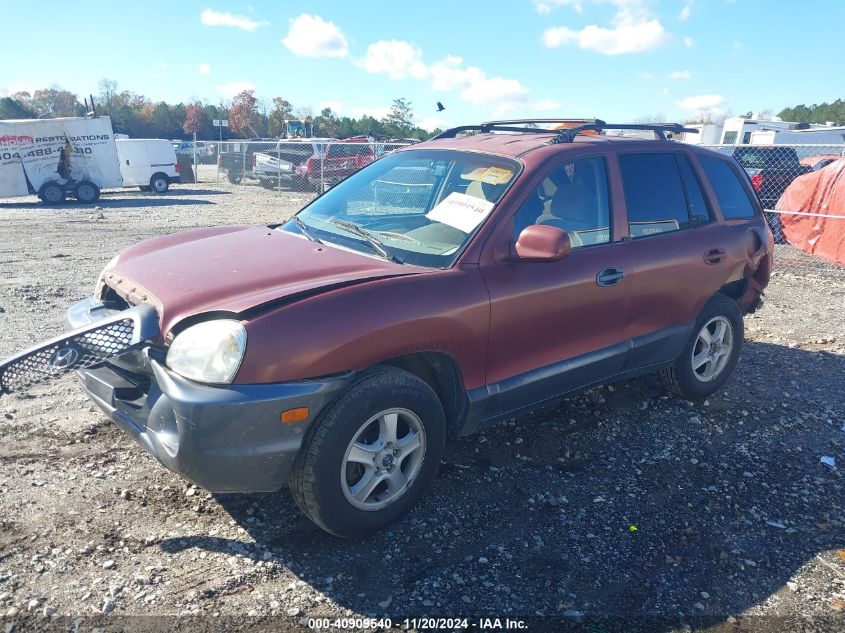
{"x": 148, "y": 163}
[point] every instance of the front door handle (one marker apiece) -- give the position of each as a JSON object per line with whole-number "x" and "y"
{"x": 610, "y": 276}
{"x": 714, "y": 255}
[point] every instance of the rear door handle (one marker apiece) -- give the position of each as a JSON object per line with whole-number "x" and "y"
{"x": 610, "y": 276}
{"x": 714, "y": 255}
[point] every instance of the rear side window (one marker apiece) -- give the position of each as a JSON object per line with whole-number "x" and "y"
{"x": 732, "y": 196}
{"x": 345, "y": 150}
{"x": 655, "y": 194}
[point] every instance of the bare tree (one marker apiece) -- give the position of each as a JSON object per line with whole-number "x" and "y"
{"x": 108, "y": 90}
{"x": 658, "y": 117}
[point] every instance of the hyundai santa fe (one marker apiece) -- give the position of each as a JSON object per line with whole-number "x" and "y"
{"x": 438, "y": 290}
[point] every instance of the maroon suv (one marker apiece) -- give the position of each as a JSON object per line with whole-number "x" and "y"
{"x": 438, "y": 290}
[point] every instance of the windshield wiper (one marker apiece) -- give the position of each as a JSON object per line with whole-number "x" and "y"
{"x": 371, "y": 239}
{"x": 303, "y": 228}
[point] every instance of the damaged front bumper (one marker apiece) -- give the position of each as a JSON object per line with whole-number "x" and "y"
{"x": 224, "y": 438}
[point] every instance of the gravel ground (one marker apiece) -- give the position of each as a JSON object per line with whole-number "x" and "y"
{"x": 618, "y": 507}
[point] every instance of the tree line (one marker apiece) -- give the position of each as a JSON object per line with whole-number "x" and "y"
{"x": 816, "y": 113}
{"x": 248, "y": 116}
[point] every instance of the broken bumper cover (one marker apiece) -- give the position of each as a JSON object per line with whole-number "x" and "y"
{"x": 100, "y": 335}
{"x": 224, "y": 438}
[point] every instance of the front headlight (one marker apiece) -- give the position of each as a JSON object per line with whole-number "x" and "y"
{"x": 208, "y": 352}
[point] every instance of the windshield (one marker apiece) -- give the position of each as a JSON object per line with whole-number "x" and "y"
{"x": 757, "y": 157}
{"x": 420, "y": 206}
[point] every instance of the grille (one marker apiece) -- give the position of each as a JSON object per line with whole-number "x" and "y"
{"x": 57, "y": 358}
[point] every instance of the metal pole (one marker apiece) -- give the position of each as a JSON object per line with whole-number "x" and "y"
{"x": 196, "y": 171}
{"x": 219, "y": 157}
{"x": 322, "y": 164}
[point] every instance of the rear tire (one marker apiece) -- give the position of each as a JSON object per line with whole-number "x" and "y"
{"x": 267, "y": 184}
{"x": 159, "y": 183}
{"x": 52, "y": 193}
{"x": 711, "y": 354}
{"x": 353, "y": 475}
{"x": 87, "y": 192}
{"x": 234, "y": 178}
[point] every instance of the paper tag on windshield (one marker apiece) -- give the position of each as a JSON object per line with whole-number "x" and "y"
{"x": 490, "y": 175}
{"x": 461, "y": 211}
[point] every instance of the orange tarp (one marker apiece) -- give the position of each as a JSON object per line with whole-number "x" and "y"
{"x": 820, "y": 192}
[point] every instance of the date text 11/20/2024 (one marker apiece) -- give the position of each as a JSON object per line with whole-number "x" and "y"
{"x": 419, "y": 624}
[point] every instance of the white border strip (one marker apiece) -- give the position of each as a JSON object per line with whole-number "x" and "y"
{"x": 812, "y": 215}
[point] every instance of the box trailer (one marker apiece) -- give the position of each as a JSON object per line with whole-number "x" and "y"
{"x": 57, "y": 158}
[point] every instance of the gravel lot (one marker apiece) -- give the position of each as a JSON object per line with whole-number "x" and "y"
{"x": 619, "y": 505}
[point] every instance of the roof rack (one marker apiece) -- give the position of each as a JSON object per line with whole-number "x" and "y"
{"x": 511, "y": 125}
{"x": 527, "y": 121}
{"x": 568, "y": 135}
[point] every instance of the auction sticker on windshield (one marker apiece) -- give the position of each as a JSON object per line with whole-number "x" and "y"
{"x": 490, "y": 175}
{"x": 461, "y": 211}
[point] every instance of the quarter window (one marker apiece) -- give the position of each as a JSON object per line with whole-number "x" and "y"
{"x": 733, "y": 198}
{"x": 572, "y": 197}
{"x": 698, "y": 210}
{"x": 655, "y": 194}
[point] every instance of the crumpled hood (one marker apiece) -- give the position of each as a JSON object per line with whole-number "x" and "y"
{"x": 234, "y": 268}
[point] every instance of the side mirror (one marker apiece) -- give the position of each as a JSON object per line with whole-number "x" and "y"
{"x": 542, "y": 243}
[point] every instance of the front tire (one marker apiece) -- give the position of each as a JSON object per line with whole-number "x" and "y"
{"x": 371, "y": 455}
{"x": 711, "y": 354}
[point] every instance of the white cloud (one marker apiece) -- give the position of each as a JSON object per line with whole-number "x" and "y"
{"x": 633, "y": 31}
{"x": 647, "y": 76}
{"x": 400, "y": 60}
{"x": 686, "y": 11}
{"x": 493, "y": 91}
{"x": 628, "y": 38}
{"x": 679, "y": 74}
{"x": 395, "y": 58}
{"x": 432, "y": 123}
{"x": 312, "y": 36}
{"x": 688, "y": 41}
{"x": 204, "y": 69}
{"x": 210, "y": 17}
{"x": 162, "y": 65}
{"x": 234, "y": 87}
{"x": 335, "y": 106}
{"x": 545, "y": 6}
{"x": 701, "y": 102}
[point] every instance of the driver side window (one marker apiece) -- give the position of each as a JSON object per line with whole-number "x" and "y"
{"x": 573, "y": 197}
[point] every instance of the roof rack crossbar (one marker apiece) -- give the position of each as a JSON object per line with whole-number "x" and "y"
{"x": 492, "y": 126}
{"x": 568, "y": 135}
{"x": 524, "y": 121}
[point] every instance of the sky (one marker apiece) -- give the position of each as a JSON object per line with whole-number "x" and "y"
{"x": 618, "y": 60}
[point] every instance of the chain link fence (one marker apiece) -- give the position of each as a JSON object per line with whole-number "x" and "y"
{"x": 807, "y": 216}
{"x": 802, "y": 190}
{"x": 303, "y": 168}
